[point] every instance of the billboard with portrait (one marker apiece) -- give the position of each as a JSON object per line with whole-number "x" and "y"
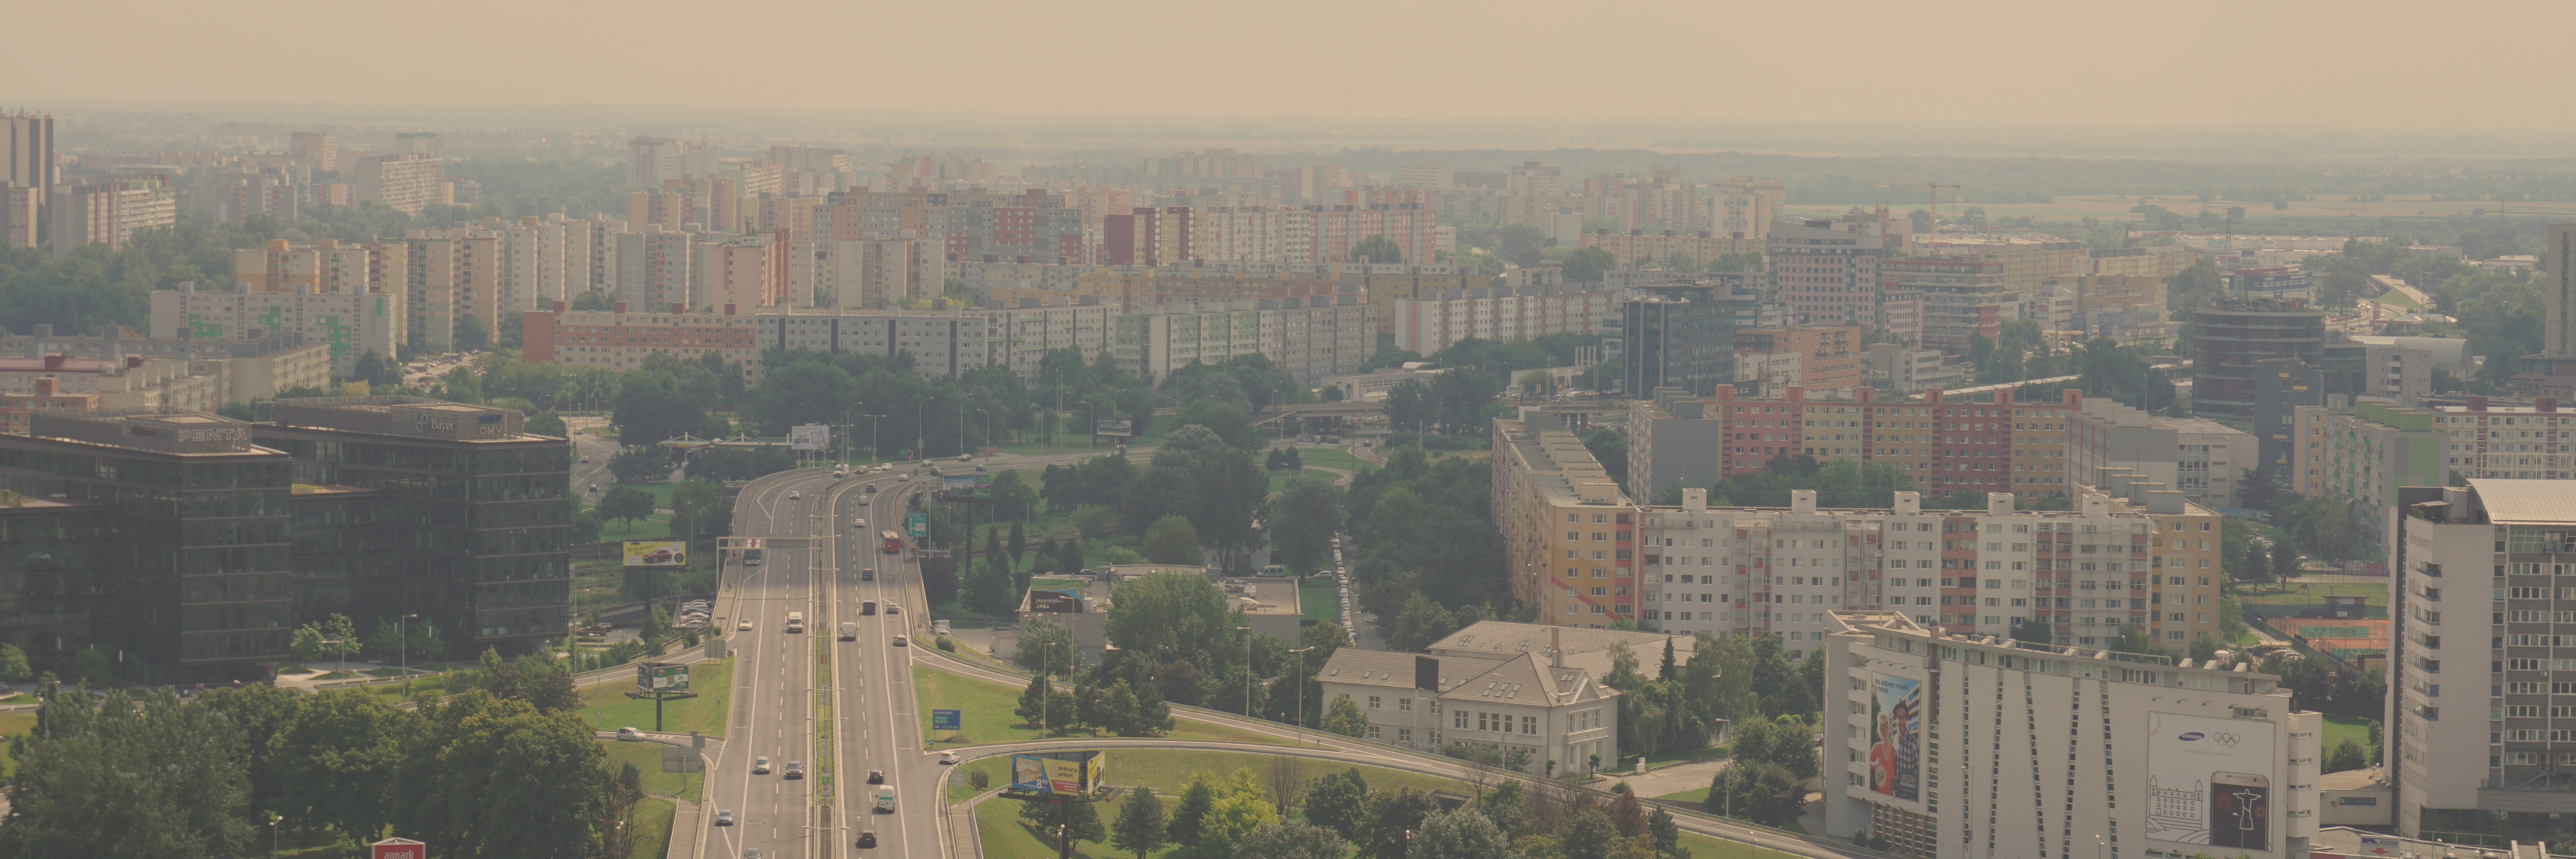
{"x": 1896, "y": 737}
{"x": 809, "y": 437}
{"x": 2209, "y": 781}
{"x": 656, "y": 553}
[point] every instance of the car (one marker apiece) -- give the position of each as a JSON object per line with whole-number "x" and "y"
{"x": 979, "y": 468}
{"x": 900, "y": 641}
{"x": 870, "y": 489}
{"x": 629, "y": 733}
{"x": 965, "y": 457}
{"x": 744, "y": 626}
{"x": 867, "y": 838}
{"x": 760, "y": 766}
{"x": 724, "y": 818}
{"x": 585, "y": 459}
{"x": 876, "y": 776}
{"x": 858, "y": 523}
{"x": 891, "y": 608}
{"x": 795, "y": 496}
{"x": 751, "y": 853}
{"x": 795, "y": 769}
{"x": 660, "y": 556}
{"x": 948, "y": 757}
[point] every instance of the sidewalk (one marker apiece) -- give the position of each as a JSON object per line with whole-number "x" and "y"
{"x": 684, "y": 830}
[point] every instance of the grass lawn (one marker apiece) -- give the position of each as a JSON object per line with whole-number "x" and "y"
{"x": 647, "y": 757}
{"x": 652, "y": 828}
{"x": 2340, "y": 728}
{"x": 1704, "y": 847}
{"x": 1331, "y": 457}
{"x": 1324, "y": 603}
{"x": 606, "y": 706}
{"x": 987, "y": 716}
{"x": 2400, "y": 299}
{"x": 13, "y": 724}
{"x": 655, "y": 527}
{"x": 1694, "y": 796}
{"x": 1279, "y": 479}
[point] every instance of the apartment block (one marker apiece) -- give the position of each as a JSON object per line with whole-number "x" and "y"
{"x": 1671, "y": 440}
{"x": 229, "y": 197}
{"x": 654, "y": 267}
{"x": 407, "y": 183}
{"x": 2473, "y": 742}
{"x": 941, "y": 342}
{"x": 1942, "y": 445}
{"x": 2029, "y": 262}
{"x": 1758, "y": 571}
{"x": 108, "y": 211}
{"x": 350, "y": 325}
{"x": 2203, "y": 459}
{"x": 1023, "y": 333}
{"x": 242, "y": 370}
{"x": 1908, "y": 371}
{"x": 27, "y": 155}
{"x": 1637, "y": 249}
{"x": 1569, "y": 533}
{"x": 652, "y": 161}
{"x": 744, "y": 272}
{"x": 1817, "y": 359}
{"x": 532, "y": 263}
{"x": 2404, "y": 366}
{"x": 1428, "y": 325}
{"x": 1958, "y": 747}
{"x": 18, "y": 408}
{"x": 2365, "y": 451}
{"x": 1330, "y": 335}
{"x": 322, "y": 151}
{"x": 1963, "y": 298}
{"x": 1825, "y": 276}
{"x": 21, "y": 215}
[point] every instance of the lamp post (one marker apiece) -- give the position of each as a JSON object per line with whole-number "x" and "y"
{"x": 873, "y": 450}
{"x": 402, "y": 634}
{"x": 988, "y": 428}
{"x": 273, "y": 821}
{"x": 1303, "y": 670}
{"x": 921, "y": 427}
{"x": 1247, "y": 670}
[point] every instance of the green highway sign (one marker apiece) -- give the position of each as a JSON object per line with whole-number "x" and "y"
{"x": 919, "y": 523}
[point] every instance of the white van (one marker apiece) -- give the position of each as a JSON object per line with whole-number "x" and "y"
{"x": 795, "y": 621}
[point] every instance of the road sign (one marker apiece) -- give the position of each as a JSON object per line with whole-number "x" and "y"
{"x": 809, "y": 437}
{"x": 679, "y": 760}
{"x": 1120, "y": 427}
{"x": 918, "y": 523}
{"x": 661, "y": 677}
{"x": 945, "y": 720}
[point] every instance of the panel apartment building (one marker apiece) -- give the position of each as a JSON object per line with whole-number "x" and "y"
{"x": 2203, "y": 458}
{"x": 2145, "y": 560}
{"x": 350, "y": 324}
{"x": 1944, "y": 446}
{"x": 1569, "y": 533}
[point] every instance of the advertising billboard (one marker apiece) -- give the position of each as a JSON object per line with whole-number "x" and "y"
{"x": 661, "y": 677}
{"x": 2209, "y": 781}
{"x": 1121, "y": 427}
{"x": 397, "y": 848}
{"x": 1072, "y": 773}
{"x": 656, "y": 553}
{"x": 809, "y": 437}
{"x": 1896, "y": 737}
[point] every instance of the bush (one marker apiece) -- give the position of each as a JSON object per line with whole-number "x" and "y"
{"x": 979, "y": 779}
{"x": 945, "y": 644}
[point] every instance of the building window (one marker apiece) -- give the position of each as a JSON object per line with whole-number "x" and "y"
{"x": 1404, "y": 705}
{"x": 1529, "y": 725}
{"x": 1373, "y": 732}
{"x": 1458, "y": 720}
{"x": 1373, "y": 702}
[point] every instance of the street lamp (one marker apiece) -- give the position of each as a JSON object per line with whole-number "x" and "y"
{"x": 1303, "y": 670}
{"x": 402, "y": 633}
{"x": 1247, "y": 670}
{"x": 273, "y": 821}
{"x": 988, "y": 428}
{"x": 873, "y": 450}
{"x": 921, "y": 427}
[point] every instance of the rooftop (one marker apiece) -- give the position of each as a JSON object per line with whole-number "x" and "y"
{"x": 2527, "y": 502}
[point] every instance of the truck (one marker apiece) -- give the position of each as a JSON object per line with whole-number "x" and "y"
{"x": 849, "y": 631}
{"x": 795, "y": 621}
{"x": 885, "y": 797}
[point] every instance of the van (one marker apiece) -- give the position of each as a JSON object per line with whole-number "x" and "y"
{"x": 849, "y": 631}
{"x": 868, "y": 607}
{"x": 795, "y": 621}
{"x": 840, "y": 471}
{"x": 868, "y": 575}
{"x": 885, "y": 798}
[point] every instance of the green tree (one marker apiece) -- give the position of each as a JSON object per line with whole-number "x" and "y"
{"x": 1172, "y": 541}
{"x": 2285, "y": 560}
{"x": 2035, "y": 630}
{"x": 378, "y": 371}
{"x": 13, "y": 664}
{"x": 1344, "y": 717}
{"x": 110, "y": 775}
{"x": 1591, "y": 835}
{"x": 471, "y": 334}
{"x": 1047, "y": 645}
{"x": 1666, "y": 834}
{"x": 1385, "y": 821}
{"x": 1140, "y": 823}
{"x": 2347, "y": 755}
{"x": 1377, "y": 249}
{"x": 1290, "y": 839}
{"x": 465, "y": 781}
{"x": 1033, "y": 708}
{"x": 1192, "y": 813}
{"x": 335, "y": 760}
{"x": 1164, "y": 616}
{"x": 1239, "y": 808}
{"x": 1588, "y": 265}
{"x": 1409, "y": 406}
{"x": 1334, "y": 801}
{"x": 1761, "y": 792}
{"x": 260, "y": 711}
{"x": 626, "y": 503}
{"x": 1081, "y": 820}
{"x": 1460, "y": 834}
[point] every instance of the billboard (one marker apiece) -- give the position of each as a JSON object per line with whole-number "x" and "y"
{"x": 661, "y": 677}
{"x": 1072, "y": 773}
{"x": 809, "y": 437}
{"x": 656, "y": 553}
{"x": 1122, "y": 427}
{"x": 2209, "y": 781}
{"x": 1896, "y": 737}
{"x": 397, "y": 848}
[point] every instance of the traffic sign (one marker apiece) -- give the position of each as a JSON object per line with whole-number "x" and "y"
{"x": 945, "y": 720}
{"x": 918, "y": 523}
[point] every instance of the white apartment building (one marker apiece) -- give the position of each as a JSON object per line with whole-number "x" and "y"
{"x": 1318, "y": 336}
{"x": 350, "y": 325}
{"x": 2481, "y": 714}
{"x": 1428, "y": 325}
{"x": 867, "y": 273}
{"x": 2483, "y": 439}
{"x": 533, "y": 257}
{"x": 653, "y": 268}
{"x": 1970, "y": 746}
{"x": 2203, "y": 458}
{"x": 407, "y": 182}
{"x": 1534, "y": 704}
{"x": 107, "y": 212}
{"x": 2147, "y": 563}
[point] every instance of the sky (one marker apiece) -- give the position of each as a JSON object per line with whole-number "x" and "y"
{"x": 2293, "y": 63}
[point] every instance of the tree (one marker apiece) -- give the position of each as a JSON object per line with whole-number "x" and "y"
{"x": 377, "y": 370}
{"x": 335, "y": 760}
{"x": 1140, "y": 823}
{"x": 1409, "y": 406}
{"x": 471, "y": 334}
{"x": 2347, "y": 755}
{"x": 548, "y": 686}
{"x": 333, "y": 635}
{"x": 1081, "y": 820}
{"x": 2034, "y": 630}
{"x": 1046, "y": 645}
{"x": 1377, "y": 249}
{"x": 1460, "y": 834}
{"x": 1761, "y": 792}
{"x": 1164, "y": 616}
{"x": 1344, "y": 718}
{"x": 109, "y": 775}
{"x": 1186, "y": 821}
{"x": 1291, "y": 839}
{"x": 1386, "y": 819}
{"x": 464, "y": 781}
{"x": 1239, "y": 808}
{"x": 640, "y": 465}
{"x": 627, "y": 503}
{"x": 1334, "y": 801}
{"x": 260, "y": 711}
{"x": 1666, "y": 834}
{"x": 1230, "y": 421}
{"x": 1173, "y": 541}
{"x": 1590, "y": 835}
{"x": 1032, "y": 708}
{"x": 1588, "y": 265}
{"x": 13, "y": 664}
{"x": 2285, "y": 560}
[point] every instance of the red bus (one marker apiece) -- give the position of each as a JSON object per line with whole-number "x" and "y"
{"x": 893, "y": 542}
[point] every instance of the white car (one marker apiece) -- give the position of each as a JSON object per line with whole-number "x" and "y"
{"x": 629, "y": 733}
{"x": 795, "y": 496}
{"x": 858, "y": 523}
{"x": 744, "y": 626}
{"x": 948, "y": 757}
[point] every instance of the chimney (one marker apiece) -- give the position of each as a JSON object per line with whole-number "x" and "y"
{"x": 1426, "y": 674}
{"x": 1556, "y": 647}
{"x": 2477, "y": 404}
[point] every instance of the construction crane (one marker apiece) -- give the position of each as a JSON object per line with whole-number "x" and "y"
{"x": 1935, "y": 188}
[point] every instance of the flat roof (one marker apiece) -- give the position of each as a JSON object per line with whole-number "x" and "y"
{"x": 2527, "y": 502}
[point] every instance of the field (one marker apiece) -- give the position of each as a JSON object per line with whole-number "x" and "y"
{"x": 606, "y": 706}
{"x": 1321, "y": 603}
{"x": 1169, "y": 771}
{"x": 2340, "y": 728}
{"x": 647, "y": 758}
{"x": 986, "y": 715}
{"x": 652, "y": 828}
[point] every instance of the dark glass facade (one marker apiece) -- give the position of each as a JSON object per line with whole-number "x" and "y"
{"x": 58, "y": 564}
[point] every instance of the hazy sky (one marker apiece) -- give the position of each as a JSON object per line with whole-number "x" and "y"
{"x": 2369, "y": 64}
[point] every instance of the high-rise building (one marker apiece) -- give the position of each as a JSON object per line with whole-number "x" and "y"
{"x": 1332, "y": 330}
{"x": 744, "y": 272}
{"x": 108, "y": 211}
{"x": 229, "y": 197}
{"x": 2280, "y": 283}
{"x": 1428, "y": 325}
{"x": 2364, "y": 452}
{"x": 427, "y": 144}
{"x": 1968, "y": 746}
{"x": 350, "y": 324}
{"x": 654, "y": 267}
{"x": 1945, "y": 446}
{"x": 319, "y": 151}
{"x": 2473, "y": 741}
{"x": 1825, "y": 276}
{"x": 2230, "y": 335}
{"x": 652, "y": 161}
{"x": 1640, "y": 249}
{"x": 407, "y": 182}
{"x": 1679, "y": 336}
{"x": 1963, "y": 298}
{"x": 21, "y": 215}
{"x": 1817, "y": 359}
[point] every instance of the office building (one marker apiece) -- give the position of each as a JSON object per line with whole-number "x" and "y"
{"x": 1569, "y": 533}
{"x": 2203, "y": 459}
{"x": 1679, "y": 336}
{"x": 406, "y": 183}
{"x": 1427, "y": 325}
{"x": 2364, "y": 451}
{"x": 1894, "y": 367}
{"x": 2029, "y": 261}
{"x": 349, "y": 325}
{"x": 2473, "y": 739}
{"x": 1540, "y": 710}
{"x": 1825, "y": 276}
{"x": 2230, "y": 335}
{"x": 1817, "y": 359}
{"x": 1671, "y": 440}
{"x": 1957, "y": 746}
{"x": 108, "y": 211}
{"x": 1964, "y": 298}
{"x": 942, "y": 342}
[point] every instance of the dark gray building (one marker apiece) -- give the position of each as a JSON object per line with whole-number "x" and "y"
{"x": 1678, "y": 336}
{"x": 2229, "y": 335}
